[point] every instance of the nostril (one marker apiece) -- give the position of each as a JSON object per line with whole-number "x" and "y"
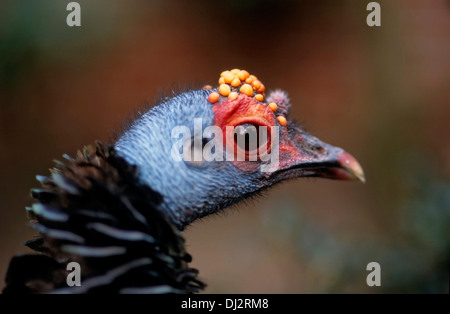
{"x": 318, "y": 149}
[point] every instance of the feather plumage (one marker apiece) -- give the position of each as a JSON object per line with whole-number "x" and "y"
{"x": 92, "y": 211}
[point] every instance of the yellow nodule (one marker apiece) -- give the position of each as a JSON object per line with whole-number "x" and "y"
{"x": 224, "y": 89}
{"x": 247, "y": 90}
{"x": 273, "y": 106}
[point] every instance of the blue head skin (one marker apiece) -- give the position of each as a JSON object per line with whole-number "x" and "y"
{"x": 190, "y": 190}
{"x": 193, "y": 190}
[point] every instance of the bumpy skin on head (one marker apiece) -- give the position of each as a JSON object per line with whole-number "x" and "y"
{"x": 193, "y": 190}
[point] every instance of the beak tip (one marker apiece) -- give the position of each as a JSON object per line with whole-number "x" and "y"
{"x": 351, "y": 167}
{"x": 362, "y": 178}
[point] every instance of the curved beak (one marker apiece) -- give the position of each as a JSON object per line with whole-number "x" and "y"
{"x": 349, "y": 168}
{"x": 303, "y": 155}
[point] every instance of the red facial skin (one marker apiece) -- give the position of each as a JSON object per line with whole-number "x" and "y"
{"x": 245, "y": 109}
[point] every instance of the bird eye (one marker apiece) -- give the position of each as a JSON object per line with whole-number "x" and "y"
{"x": 251, "y": 141}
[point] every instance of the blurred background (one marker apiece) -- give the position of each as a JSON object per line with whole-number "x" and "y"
{"x": 382, "y": 93}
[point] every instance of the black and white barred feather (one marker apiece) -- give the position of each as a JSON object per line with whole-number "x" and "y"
{"x": 93, "y": 211}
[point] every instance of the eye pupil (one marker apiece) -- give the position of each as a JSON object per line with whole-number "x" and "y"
{"x": 248, "y": 138}
{"x": 247, "y": 141}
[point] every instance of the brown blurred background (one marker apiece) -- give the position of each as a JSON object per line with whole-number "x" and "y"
{"x": 382, "y": 93}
